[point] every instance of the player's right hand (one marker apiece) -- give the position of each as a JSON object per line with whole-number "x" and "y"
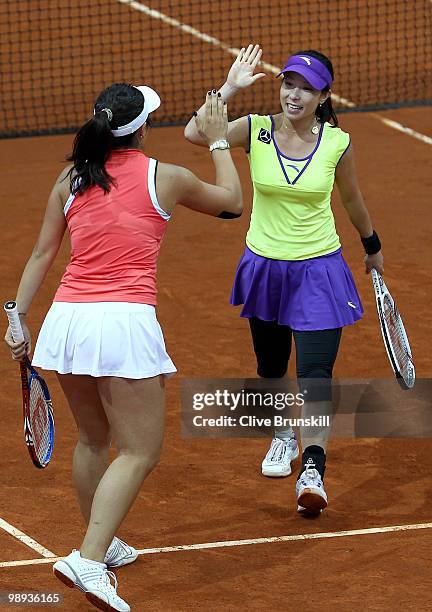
{"x": 241, "y": 73}
{"x": 374, "y": 261}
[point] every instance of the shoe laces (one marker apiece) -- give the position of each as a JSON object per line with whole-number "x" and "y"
{"x": 292, "y": 443}
{"x": 277, "y": 450}
{"x": 311, "y": 475}
{"x": 105, "y": 581}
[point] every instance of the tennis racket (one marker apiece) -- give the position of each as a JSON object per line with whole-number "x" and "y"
{"x": 37, "y": 405}
{"x": 393, "y": 333}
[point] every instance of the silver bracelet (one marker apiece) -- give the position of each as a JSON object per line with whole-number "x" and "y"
{"x": 219, "y": 144}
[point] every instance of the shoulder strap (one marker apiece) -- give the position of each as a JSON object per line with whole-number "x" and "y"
{"x": 151, "y": 184}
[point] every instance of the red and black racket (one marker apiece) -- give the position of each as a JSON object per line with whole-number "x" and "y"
{"x": 37, "y": 405}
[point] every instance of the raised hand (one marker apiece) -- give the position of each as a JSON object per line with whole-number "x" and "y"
{"x": 213, "y": 124}
{"x": 241, "y": 73}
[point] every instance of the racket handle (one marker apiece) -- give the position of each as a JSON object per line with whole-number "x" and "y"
{"x": 14, "y": 321}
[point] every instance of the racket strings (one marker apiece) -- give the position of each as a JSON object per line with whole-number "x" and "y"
{"x": 39, "y": 420}
{"x": 397, "y": 336}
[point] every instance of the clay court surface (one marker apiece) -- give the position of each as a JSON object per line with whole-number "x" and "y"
{"x": 211, "y": 490}
{"x": 370, "y": 550}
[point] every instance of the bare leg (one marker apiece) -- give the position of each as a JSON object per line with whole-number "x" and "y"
{"x": 90, "y": 459}
{"x": 135, "y": 411}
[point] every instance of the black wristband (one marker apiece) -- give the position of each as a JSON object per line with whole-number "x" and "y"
{"x": 372, "y": 244}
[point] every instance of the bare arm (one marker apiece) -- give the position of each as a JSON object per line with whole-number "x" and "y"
{"x": 44, "y": 252}
{"x": 240, "y": 76}
{"x": 175, "y": 184}
{"x": 352, "y": 200}
{"x": 46, "y": 247}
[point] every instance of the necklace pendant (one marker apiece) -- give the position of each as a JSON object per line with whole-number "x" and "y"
{"x": 315, "y": 129}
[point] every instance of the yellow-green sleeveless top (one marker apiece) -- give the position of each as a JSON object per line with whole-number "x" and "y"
{"x": 291, "y": 216}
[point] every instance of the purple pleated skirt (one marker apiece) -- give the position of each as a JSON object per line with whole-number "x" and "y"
{"x": 306, "y": 295}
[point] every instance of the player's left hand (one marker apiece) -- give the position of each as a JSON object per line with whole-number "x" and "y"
{"x": 374, "y": 261}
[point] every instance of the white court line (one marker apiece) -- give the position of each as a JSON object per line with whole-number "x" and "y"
{"x": 143, "y": 8}
{"x": 231, "y": 543}
{"x": 25, "y": 539}
{"x": 406, "y": 130}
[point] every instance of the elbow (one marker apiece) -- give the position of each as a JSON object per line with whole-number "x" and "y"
{"x": 186, "y": 132}
{"x": 44, "y": 255}
{"x": 239, "y": 205}
{"x": 234, "y": 213}
{"x": 192, "y": 136}
{"x": 239, "y": 209}
{"x": 189, "y": 134}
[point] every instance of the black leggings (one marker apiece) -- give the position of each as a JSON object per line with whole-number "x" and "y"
{"x": 316, "y": 353}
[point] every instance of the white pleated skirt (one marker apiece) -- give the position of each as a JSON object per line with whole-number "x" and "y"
{"x": 103, "y": 339}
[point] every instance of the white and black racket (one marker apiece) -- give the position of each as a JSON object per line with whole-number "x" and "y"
{"x": 393, "y": 333}
{"x": 37, "y": 405}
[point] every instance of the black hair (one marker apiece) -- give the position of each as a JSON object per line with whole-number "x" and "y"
{"x": 324, "y": 112}
{"x": 94, "y": 140}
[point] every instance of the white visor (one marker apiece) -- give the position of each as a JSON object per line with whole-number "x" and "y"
{"x": 151, "y": 103}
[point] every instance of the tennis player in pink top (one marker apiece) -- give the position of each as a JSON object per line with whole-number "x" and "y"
{"x": 101, "y": 334}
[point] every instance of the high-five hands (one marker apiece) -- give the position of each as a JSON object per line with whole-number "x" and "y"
{"x": 241, "y": 73}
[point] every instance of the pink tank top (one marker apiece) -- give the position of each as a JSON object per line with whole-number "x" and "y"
{"x": 115, "y": 237}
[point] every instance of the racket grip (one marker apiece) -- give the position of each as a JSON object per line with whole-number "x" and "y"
{"x": 14, "y": 321}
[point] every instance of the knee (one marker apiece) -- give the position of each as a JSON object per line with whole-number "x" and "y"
{"x": 142, "y": 461}
{"x": 94, "y": 444}
{"x": 153, "y": 458}
{"x": 315, "y": 371}
{"x": 315, "y": 383}
{"x": 272, "y": 369}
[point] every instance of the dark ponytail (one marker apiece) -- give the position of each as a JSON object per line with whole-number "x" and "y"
{"x": 324, "y": 112}
{"x": 94, "y": 141}
{"x": 92, "y": 146}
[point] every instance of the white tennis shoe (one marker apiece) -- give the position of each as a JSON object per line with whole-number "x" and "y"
{"x": 93, "y": 579}
{"x": 119, "y": 553}
{"x": 311, "y": 495}
{"x": 277, "y": 462}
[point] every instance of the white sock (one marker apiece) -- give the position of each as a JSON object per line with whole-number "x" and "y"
{"x": 93, "y": 561}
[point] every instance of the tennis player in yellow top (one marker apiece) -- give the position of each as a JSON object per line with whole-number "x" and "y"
{"x": 292, "y": 279}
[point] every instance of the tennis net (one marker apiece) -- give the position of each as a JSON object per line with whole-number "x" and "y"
{"x": 57, "y": 55}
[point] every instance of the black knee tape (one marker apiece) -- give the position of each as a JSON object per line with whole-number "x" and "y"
{"x": 271, "y": 370}
{"x": 315, "y": 384}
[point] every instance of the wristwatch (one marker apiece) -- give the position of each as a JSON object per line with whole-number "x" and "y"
{"x": 219, "y": 144}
